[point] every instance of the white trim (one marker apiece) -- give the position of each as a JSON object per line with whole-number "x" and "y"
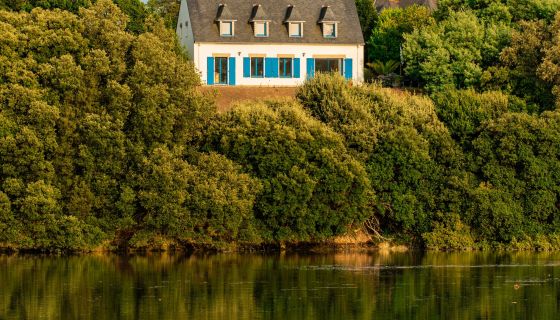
{"x": 300, "y": 24}
{"x": 231, "y": 32}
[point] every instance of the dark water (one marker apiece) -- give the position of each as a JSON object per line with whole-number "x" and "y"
{"x": 333, "y": 286}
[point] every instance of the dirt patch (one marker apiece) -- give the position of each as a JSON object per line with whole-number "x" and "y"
{"x": 226, "y": 97}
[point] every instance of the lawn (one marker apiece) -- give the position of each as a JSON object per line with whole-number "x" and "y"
{"x": 226, "y": 97}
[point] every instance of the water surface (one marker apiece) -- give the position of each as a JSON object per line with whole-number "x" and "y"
{"x": 282, "y": 286}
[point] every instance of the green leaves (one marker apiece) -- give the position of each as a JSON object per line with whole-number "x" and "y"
{"x": 84, "y": 105}
{"x": 312, "y": 188}
{"x": 386, "y": 37}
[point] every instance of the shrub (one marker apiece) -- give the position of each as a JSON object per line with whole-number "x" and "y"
{"x": 450, "y": 234}
{"x": 312, "y": 188}
{"x": 464, "y": 111}
{"x": 519, "y": 156}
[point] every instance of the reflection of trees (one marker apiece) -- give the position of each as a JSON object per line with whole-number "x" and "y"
{"x": 335, "y": 286}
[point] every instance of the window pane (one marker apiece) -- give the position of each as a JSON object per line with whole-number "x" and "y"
{"x": 328, "y": 65}
{"x": 220, "y": 70}
{"x": 329, "y": 30}
{"x": 257, "y": 67}
{"x": 295, "y": 29}
{"x": 260, "y": 29}
{"x": 226, "y": 28}
{"x": 285, "y": 67}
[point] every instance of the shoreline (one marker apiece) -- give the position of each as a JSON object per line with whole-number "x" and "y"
{"x": 299, "y": 247}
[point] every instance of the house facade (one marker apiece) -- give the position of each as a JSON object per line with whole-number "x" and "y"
{"x": 271, "y": 42}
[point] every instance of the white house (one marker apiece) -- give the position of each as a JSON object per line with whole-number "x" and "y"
{"x": 271, "y": 42}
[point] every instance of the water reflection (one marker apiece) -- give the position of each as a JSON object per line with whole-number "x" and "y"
{"x": 283, "y": 286}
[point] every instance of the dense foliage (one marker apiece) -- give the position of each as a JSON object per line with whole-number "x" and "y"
{"x": 491, "y": 45}
{"x": 463, "y": 171}
{"x": 94, "y": 132}
{"x": 312, "y": 188}
{"x": 134, "y": 9}
{"x": 386, "y": 37}
{"x": 106, "y": 141}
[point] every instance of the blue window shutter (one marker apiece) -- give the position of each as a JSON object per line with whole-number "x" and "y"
{"x": 274, "y": 67}
{"x": 231, "y": 71}
{"x": 246, "y": 67}
{"x": 348, "y": 68}
{"x": 210, "y": 70}
{"x": 310, "y": 67}
{"x": 296, "y": 67}
{"x": 271, "y": 67}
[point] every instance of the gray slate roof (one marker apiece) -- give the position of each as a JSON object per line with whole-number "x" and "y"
{"x": 224, "y": 14}
{"x": 293, "y": 14}
{"x": 258, "y": 14}
{"x": 327, "y": 15}
{"x": 203, "y": 14}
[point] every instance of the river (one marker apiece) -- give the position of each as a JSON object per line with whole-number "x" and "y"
{"x": 412, "y": 285}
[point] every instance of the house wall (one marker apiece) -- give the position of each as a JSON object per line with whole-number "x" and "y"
{"x": 184, "y": 29}
{"x": 202, "y": 51}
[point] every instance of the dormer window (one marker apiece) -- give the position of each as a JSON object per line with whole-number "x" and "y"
{"x": 294, "y": 20}
{"x": 328, "y": 22}
{"x": 295, "y": 29}
{"x": 260, "y": 21}
{"x": 226, "y": 21}
{"x": 261, "y": 28}
{"x": 226, "y": 28}
{"x": 329, "y": 30}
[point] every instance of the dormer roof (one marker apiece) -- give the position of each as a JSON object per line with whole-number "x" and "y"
{"x": 224, "y": 14}
{"x": 293, "y": 15}
{"x": 258, "y": 14}
{"x": 327, "y": 15}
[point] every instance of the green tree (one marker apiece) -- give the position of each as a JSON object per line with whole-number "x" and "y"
{"x": 367, "y": 13}
{"x": 385, "y": 39}
{"x": 464, "y": 112}
{"x": 168, "y": 10}
{"x": 549, "y": 69}
{"x": 523, "y": 58}
{"x": 413, "y": 164}
{"x": 134, "y": 9}
{"x": 84, "y": 103}
{"x": 312, "y": 188}
{"x": 518, "y": 161}
{"x": 501, "y": 10}
{"x": 455, "y": 52}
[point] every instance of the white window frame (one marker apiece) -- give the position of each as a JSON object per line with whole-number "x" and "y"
{"x": 265, "y": 26}
{"x": 293, "y": 24}
{"x": 231, "y": 28}
{"x": 335, "y": 30}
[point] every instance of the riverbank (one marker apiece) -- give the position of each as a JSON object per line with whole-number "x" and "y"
{"x": 345, "y": 243}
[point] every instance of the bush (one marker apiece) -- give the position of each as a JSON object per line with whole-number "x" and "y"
{"x": 450, "y": 234}
{"x": 519, "y": 156}
{"x": 312, "y": 188}
{"x": 464, "y": 111}
{"x": 330, "y": 99}
{"x": 411, "y": 160}
{"x": 207, "y": 202}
